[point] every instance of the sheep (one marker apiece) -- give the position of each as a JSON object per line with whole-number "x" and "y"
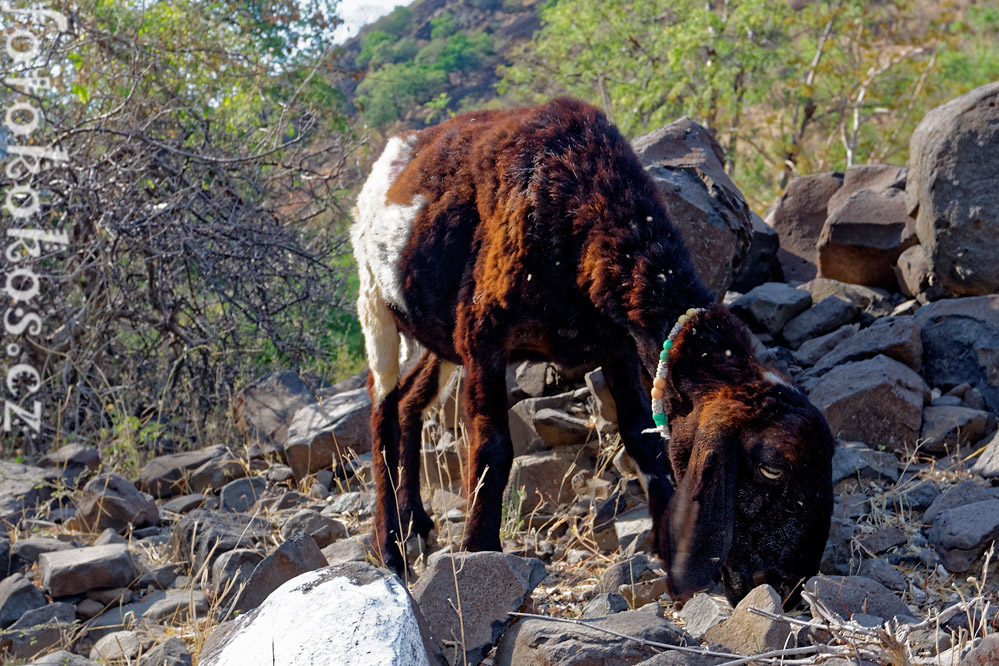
{"x": 536, "y": 233}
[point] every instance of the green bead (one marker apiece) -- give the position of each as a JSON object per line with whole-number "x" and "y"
{"x": 660, "y": 419}
{"x": 664, "y": 355}
{"x": 667, "y": 344}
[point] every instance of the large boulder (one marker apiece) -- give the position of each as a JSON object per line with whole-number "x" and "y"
{"x": 961, "y": 344}
{"x": 109, "y": 500}
{"x": 264, "y": 409}
{"x": 951, "y": 190}
{"x": 798, "y": 218}
{"x": 322, "y": 435}
{"x": 348, "y": 614}
{"x": 688, "y": 167}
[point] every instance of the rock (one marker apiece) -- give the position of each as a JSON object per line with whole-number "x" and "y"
{"x": 232, "y": 569}
{"x": 62, "y": 658}
{"x": 545, "y": 479}
{"x": 171, "y": 652}
{"x": 539, "y": 643}
{"x": 532, "y": 378}
{"x": 202, "y": 536}
{"x": 296, "y": 556}
{"x": 798, "y": 219}
{"x": 829, "y": 314}
{"x": 166, "y": 476}
{"x": 118, "y": 646}
{"x": 761, "y": 263}
{"x": 523, "y": 431}
{"x": 73, "y": 462}
{"x": 22, "y": 488}
{"x": 264, "y": 409}
{"x": 604, "y": 604}
{"x": 486, "y": 586}
{"x": 688, "y": 167}
{"x": 118, "y": 617}
{"x": 558, "y": 428}
{"x": 851, "y": 506}
{"x": 894, "y": 337}
{"x": 107, "y": 537}
{"x": 217, "y": 473}
{"x": 768, "y": 307}
{"x": 160, "y": 577}
{"x": 5, "y": 560}
{"x": 872, "y": 177}
{"x": 872, "y": 301}
{"x": 876, "y": 401}
{"x": 111, "y": 501}
{"x": 176, "y": 607}
{"x": 985, "y": 653}
{"x": 645, "y": 592}
{"x": 947, "y": 428}
{"x": 353, "y": 502}
{"x": 855, "y": 460}
{"x": 366, "y": 615}
{"x": 241, "y": 494}
{"x": 322, "y": 529}
{"x": 38, "y": 630}
{"x": 883, "y": 572}
{"x": 25, "y": 552}
{"x": 961, "y": 344}
{"x": 354, "y": 549}
{"x": 634, "y": 530}
{"x": 918, "y": 497}
{"x": 912, "y": 271}
{"x": 749, "y": 633}
{"x": 960, "y": 535}
{"x": 837, "y": 556}
{"x": 17, "y": 597}
{"x": 862, "y": 239}
{"x": 966, "y": 492}
{"x": 952, "y": 166}
{"x": 812, "y": 350}
{"x": 987, "y": 464}
{"x": 321, "y": 435}
{"x": 846, "y": 595}
{"x": 597, "y": 383}
{"x": 442, "y": 466}
{"x": 632, "y": 570}
{"x": 187, "y": 503}
{"x": 81, "y": 569}
{"x": 702, "y": 612}
{"x": 883, "y": 539}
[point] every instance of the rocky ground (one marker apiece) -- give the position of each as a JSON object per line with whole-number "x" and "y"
{"x": 256, "y": 552}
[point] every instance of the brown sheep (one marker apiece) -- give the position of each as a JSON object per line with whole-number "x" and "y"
{"x": 536, "y": 233}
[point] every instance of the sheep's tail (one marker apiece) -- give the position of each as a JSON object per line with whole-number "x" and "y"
{"x": 381, "y": 338}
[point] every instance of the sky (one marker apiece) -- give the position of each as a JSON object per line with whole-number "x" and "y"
{"x": 357, "y": 13}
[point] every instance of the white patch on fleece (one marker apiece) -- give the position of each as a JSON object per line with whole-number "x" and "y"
{"x": 774, "y": 378}
{"x": 380, "y": 232}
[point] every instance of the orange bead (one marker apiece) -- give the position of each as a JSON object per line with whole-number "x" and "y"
{"x": 659, "y": 382}
{"x": 657, "y": 394}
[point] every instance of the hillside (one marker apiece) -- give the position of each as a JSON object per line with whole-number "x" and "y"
{"x": 433, "y": 57}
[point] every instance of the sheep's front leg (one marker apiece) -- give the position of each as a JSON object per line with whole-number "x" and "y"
{"x": 491, "y": 451}
{"x": 634, "y": 414}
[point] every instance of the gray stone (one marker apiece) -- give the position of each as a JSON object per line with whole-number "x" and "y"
{"x": 263, "y": 410}
{"x": 798, "y": 219}
{"x": 688, "y": 167}
{"x": 217, "y": 473}
{"x": 353, "y": 502}
{"x": 960, "y": 535}
{"x": 546, "y": 480}
{"x": 918, "y": 496}
{"x": 354, "y": 549}
{"x": 881, "y": 571}
{"x": 702, "y": 612}
{"x": 523, "y": 431}
{"x": 987, "y": 464}
{"x": 863, "y": 238}
{"x": 768, "y": 307}
{"x": 171, "y": 652}
{"x": 812, "y": 350}
{"x": 62, "y": 658}
{"x": 855, "y": 460}
{"x": 17, "y": 597}
{"x": 877, "y": 401}
{"x": 838, "y": 554}
{"x": 322, "y": 435}
{"x": 912, "y": 270}
{"x": 107, "y": 537}
{"x": 176, "y": 607}
{"x": 241, "y": 494}
{"x": 966, "y": 492}
{"x": 442, "y": 466}
{"x": 846, "y": 595}
{"x": 22, "y": 488}
{"x": 894, "y": 337}
{"x": 604, "y": 604}
{"x": 873, "y": 177}
{"x": 188, "y": 503}
{"x": 872, "y": 301}
{"x": 296, "y": 556}
{"x": 26, "y": 551}
{"x": 748, "y": 633}
{"x": 946, "y": 428}
{"x": 961, "y": 344}
{"x": 632, "y": 570}
{"x": 323, "y": 529}
{"x": 851, "y": 506}
{"x": 202, "y": 536}
{"x": 73, "y": 462}
{"x": 166, "y": 476}
{"x": 81, "y": 569}
{"x": 597, "y": 383}
{"x": 119, "y": 617}
{"x": 829, "y": 314}
{"x": 883, "y": 539}
{"x": 109, "y": 500}
{"x": 365, "y": 614}
{"x": 160, "y": 577}
{"x": 118, "y": 646}
{"x": 231, "y": 570}
{"x": 986, "y": 653}
{"x": 634, "y": 530}
{"x": 39, "y": 630}
{"x": 761, "y": 263}
{"x": 532, "y": 378}
{"x": 539, "y": 643}
{"x": 486, "y": 586}
{"x": 559, "y": 428}
{"x": 950, "y": 193}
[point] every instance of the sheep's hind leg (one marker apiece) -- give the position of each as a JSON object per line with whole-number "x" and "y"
{"x": 385, "y": 461}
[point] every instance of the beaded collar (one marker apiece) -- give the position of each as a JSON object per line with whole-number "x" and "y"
{"x": 659, "y": 383}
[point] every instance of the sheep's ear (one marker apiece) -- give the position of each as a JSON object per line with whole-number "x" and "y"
{"x": 702, "y": 512}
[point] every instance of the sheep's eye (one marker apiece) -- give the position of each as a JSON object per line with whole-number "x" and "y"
{"x": 771, "y": 473}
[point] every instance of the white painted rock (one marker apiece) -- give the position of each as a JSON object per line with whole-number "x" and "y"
{"x": 352, "y": 614}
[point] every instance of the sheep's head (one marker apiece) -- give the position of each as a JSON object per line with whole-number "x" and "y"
{"x": 753, "y": 464}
